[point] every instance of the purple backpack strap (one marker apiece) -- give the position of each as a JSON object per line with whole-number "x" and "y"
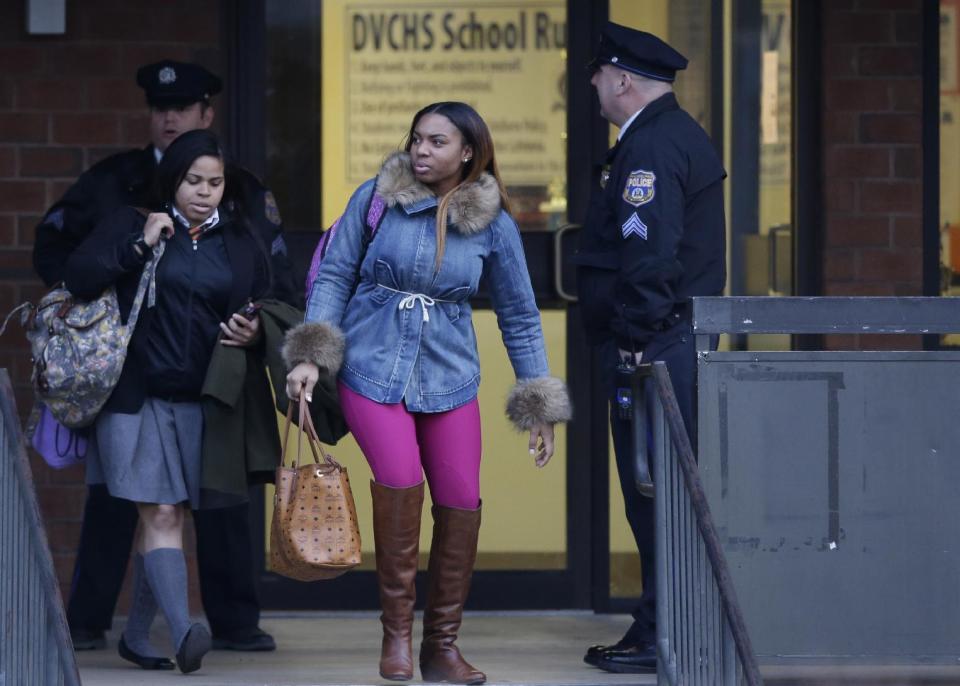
{"x": 318, "y": 254}
{"x": 378, "y": 207}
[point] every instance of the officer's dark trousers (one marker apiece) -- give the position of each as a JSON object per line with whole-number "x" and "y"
{"x": 224, "y": 557}
{"x": 678, "y": 350}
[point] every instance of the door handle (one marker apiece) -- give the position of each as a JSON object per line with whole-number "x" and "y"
{"x": 558, "y": 262}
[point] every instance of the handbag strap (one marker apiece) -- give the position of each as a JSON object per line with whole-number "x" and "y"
{"x": 307, "y": 419}
{"x": 305, "y": 427}
{"x": 147, "y": 286}
{"x": 13, "y": 312}
{"x": 300, "y": 431}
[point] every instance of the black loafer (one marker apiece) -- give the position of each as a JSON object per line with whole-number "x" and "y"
{"x": 636, "y": 659}
{"x": 87, "y": 639}
{"x": 194, "y": 646}
{"x": 253, "y": 640}
{"x": 594, "y": 652}
{"x": 142, "y": 661}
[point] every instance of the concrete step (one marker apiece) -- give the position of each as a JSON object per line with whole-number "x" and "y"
{"x": 513, "y": 648}
{"x": 327, "y": 649}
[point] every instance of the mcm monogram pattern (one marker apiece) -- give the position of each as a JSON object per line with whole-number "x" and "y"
{"x": 314, "y": 533}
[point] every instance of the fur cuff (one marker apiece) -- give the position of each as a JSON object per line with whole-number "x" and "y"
{"x": 316, "y": 342}
{"x": 543, "y": 400}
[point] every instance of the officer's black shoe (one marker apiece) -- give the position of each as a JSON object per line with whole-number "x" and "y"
{"x": 255, "y": 639}
{"x": 595, "y": 652}
{"x": 636, "y": 659}
{"x": 142, "y": 660}
{"x": 88, "y": 639}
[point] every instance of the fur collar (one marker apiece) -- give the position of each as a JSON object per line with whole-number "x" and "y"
{"x": 473, "y": 206}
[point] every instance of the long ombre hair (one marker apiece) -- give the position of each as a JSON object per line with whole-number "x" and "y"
{"x": 475, "y": 134}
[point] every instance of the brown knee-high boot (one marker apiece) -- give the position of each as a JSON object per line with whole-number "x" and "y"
{"x": 452, "y": 555}
{"x": 396, "y": 534}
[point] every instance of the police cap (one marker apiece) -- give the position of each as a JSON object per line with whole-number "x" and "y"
{"x": 172, "y": 84}
{"x": 638, "y": 52}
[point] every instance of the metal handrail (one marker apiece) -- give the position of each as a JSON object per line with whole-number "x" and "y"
{"x": 825, "y": 315}
{"x": 701, "y": 634}
{"x": 35, "y": 646}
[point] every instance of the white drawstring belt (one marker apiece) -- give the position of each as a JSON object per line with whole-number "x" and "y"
{"x": 411, "y": 299}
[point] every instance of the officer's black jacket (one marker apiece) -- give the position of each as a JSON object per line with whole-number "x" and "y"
{"x": 196, "y": 289}
{"x": 127, "y": 179}
{"x": 654, "y": 234}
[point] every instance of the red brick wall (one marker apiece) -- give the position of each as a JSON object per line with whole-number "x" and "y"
{"x": 66, "y": 102}
{"x": 872, "y": 152}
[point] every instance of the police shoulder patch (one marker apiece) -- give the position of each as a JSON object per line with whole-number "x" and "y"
{"x": 634, "y": 226}
{"x": 270, "y": 209}
{"x": 55, "y": 219}
{"x": 640, "y": 187}
{"x": 278, "y": 247}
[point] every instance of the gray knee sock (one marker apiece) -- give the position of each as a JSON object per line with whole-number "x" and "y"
{"x": 143, "y": 608}
{"x": 166, "y": 571}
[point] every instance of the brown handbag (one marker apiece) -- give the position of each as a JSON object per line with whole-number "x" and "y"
{"x": 314, "y": 533}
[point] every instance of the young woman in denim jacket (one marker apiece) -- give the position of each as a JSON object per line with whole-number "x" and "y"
{"x": 403, "y": 343}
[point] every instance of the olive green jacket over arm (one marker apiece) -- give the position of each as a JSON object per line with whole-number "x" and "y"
{"x": 241, "y": 441}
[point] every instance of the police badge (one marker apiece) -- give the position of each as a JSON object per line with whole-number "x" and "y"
{"x": 166, "y": 76}
{"x": 640, "y": 187}
{"x": 604, "y": 176}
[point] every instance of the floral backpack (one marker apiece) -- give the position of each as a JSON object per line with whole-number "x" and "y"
{"x": 78, "y": 348}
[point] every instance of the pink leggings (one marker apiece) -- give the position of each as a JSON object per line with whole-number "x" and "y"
{"x": 401, "y": 446}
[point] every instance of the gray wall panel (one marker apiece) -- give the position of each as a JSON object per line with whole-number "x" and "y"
{"x": 834, "y": 479}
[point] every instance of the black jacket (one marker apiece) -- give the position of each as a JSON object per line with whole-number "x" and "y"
{"x": 654, "y": 234}
{"x": 126, "y": 179}
{"x": 195, "y": 291}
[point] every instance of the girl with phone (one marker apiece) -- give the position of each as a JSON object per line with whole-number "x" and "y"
{"x": 146, "y": 443}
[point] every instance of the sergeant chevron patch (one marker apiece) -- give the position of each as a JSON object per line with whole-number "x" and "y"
{"x": 634, "y": 226}
{"x": 278, "y": 247}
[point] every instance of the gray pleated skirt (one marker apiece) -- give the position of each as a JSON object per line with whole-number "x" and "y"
{"x": 153, "y": 456}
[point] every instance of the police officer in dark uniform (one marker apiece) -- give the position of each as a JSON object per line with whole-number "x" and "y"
{"x": 654, "y": 236}
{"x": 178, "y": 95}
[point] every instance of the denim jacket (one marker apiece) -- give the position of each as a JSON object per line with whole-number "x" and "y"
{"x": 408, "y": 329}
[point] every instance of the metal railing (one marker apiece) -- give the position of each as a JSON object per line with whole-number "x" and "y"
{"x": 701, "y": 635}
{"x": 35, "y": 647}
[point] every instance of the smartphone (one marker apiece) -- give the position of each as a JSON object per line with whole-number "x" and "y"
{"x": 250, "y": 310}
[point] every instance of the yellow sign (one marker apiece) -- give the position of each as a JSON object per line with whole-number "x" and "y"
{"x": 383, "y": 61}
